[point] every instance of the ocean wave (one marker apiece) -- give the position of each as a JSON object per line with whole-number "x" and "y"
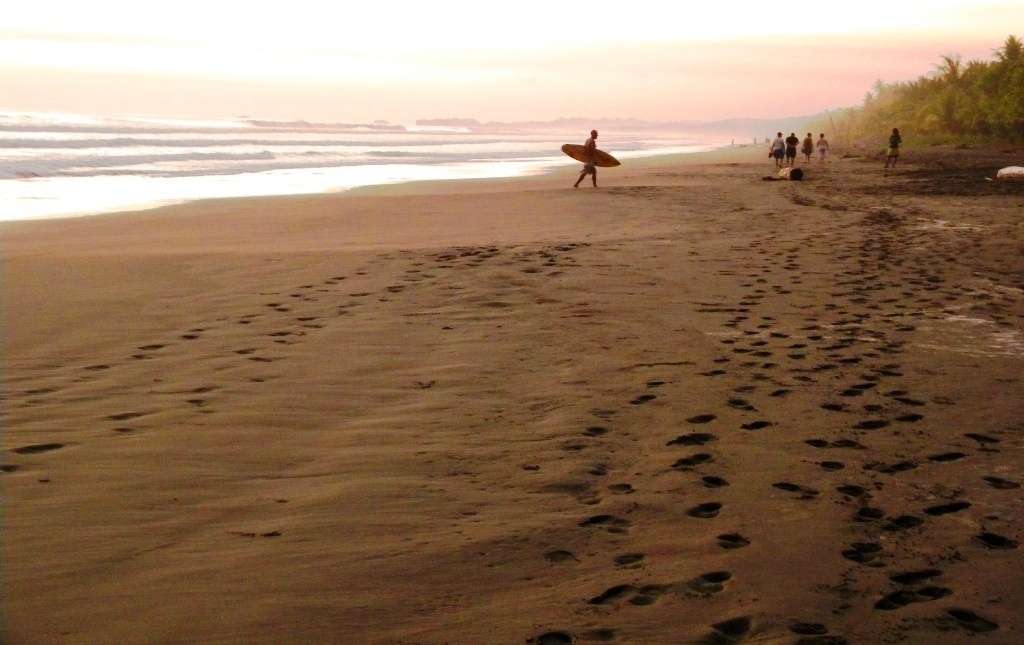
{"x": 66, "y": 124}
{"x": 119, "y": 164}
{"x": 51, "y": 143}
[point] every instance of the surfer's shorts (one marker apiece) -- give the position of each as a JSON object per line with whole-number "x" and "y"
{"x": 791, "y": 151}
{"x": 893, "y": 152}
{"x": 778, "y": 154}
{"x": 589, "y": 169}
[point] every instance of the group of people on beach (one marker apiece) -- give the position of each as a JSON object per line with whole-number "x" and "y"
{"x": 783, "y": 151}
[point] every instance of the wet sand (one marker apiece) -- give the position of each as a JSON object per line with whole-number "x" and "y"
{"x": 690, "y": 406}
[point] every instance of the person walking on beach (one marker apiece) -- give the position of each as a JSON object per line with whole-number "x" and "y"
{"x": 822, "y": 148}
{"x": 894, "y": 148}
{"x": 778, "y": 150}
{"x": 791, "y": 143}
{"x": 589, "y": 167}
{"x": 807, "y": 147}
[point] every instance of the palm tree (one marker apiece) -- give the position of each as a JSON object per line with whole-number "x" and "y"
{"x": 950, "y": 68}
{"x": 1012, "y": 49}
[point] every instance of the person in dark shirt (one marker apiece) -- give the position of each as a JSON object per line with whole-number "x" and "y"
{"x": 893, "y": 153}
{"x": 792, "y": 141}
{"x": 807, "y": 147}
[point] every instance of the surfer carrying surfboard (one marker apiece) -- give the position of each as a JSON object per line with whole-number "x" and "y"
{"x": 589, "y": 166}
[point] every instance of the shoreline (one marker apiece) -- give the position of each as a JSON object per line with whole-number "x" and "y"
{"x": 688, "y": 406}
{"x": 372, "y": 176}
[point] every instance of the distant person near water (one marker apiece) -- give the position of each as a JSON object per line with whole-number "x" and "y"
{"x": 778, "y": 150}
{"x": 822, "y": 148}
{"x": 791, "y": 143}
{"x": 807, "y": 147}
{"x": 893, "y": 153}
{"x": 589, "y": 167}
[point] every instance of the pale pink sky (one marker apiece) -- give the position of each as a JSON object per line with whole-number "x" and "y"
{"x": 526, "y": 60}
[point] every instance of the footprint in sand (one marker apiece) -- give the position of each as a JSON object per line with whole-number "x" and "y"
{"x": 728, "y": 632}
{"x": 909, "y": 418}
{"x": 802, "y": 491}
{"x": 904, "y": 597}
{"x": 808, "y": 629}
{"x": 947, "y": 456}
{"x": 866, "y": 553}
{"x": 691, "y": 462}
{"x": 702, "y": 418}
{"x": 847, "y": 443}
{"x": 906, "y": 401}
{"x": 731, "y": 541}
{"x": 705, "y": 511}
{"x": 1001, "y": 484}
{"x": 649, "y": 594}
{"x": 631, "y": 560}
{"x": 852, "y": 490}
{"x": 740, "y": 404}
{"x": 890, "y": 469}
{"x": 643, "y": 398}
{"x": 694, "y": 439}
{"x": 709, "y": 584}
{"x": 871, "y": 424}
{"x": 981, "y": 438}
{"x": 915, "y": 577}
{"x": 946, "y": 509}
{"x": 552, "y": 638}
{"x": 646, "y": 595}
{"x": 711, "y": 481}
{"x": 868, "y": 514}
{"x": 902, "y": 523}
{"x": 609, "y": 523}
{"x": 125, "y": 416}
{"x": 38, "y": 448}
{"x": 972, "y": 622}
{"x": 560, "y": 556}
{"x": 996, "y": 541}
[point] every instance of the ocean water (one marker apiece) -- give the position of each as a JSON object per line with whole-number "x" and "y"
{"x": 64, "y": 165}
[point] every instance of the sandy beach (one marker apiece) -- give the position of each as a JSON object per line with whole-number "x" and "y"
{"x": 690, "y": 406}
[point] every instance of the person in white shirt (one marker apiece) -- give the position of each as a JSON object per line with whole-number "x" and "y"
{"x": 822, "y": 148}
{"x": 779, "y": 150}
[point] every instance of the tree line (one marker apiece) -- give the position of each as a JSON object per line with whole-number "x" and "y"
{"x": 977, "y": 101}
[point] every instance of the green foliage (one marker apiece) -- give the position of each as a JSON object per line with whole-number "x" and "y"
{"x": 972, "y": 101}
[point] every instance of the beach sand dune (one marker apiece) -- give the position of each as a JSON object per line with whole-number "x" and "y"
{"x": 688, "y": 407}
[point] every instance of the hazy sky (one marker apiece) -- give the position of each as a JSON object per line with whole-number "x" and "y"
{"x": 508, "y": 61}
